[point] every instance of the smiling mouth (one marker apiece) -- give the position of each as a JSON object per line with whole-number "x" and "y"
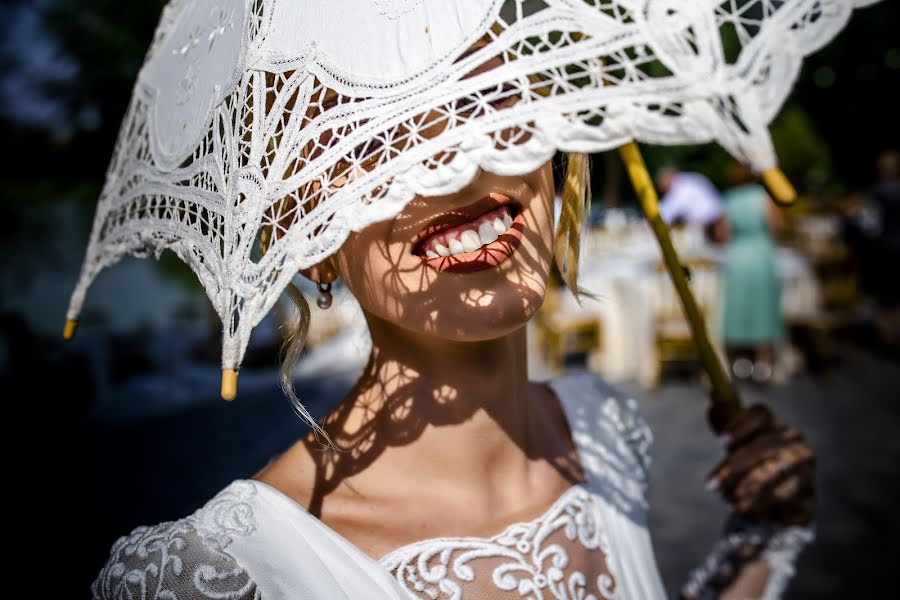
{"x": 476, "y": 237}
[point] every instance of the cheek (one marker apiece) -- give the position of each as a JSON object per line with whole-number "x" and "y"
{"x": 528, "y": 273}
{"x": 538, "y": 243}
{"x": 543, "y": 210}
{"x": 372, "y": 266}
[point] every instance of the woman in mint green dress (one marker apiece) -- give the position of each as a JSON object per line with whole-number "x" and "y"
{"x": 752, "y": 320}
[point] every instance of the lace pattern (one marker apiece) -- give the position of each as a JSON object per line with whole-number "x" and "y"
{"x": 539, "y": 559}
{"x": 247, "y": 127}
{"x": 185, "y": 559}
{"x": 530, "y": 561}
{"x": 779, "y": 546}
{"x": 613, "y": 439}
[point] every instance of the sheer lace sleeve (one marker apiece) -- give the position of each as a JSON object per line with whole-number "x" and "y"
{"x": 184, "y": 559}
{"x": 778, "y": 546}
{"x": 171, "y": 561}
{"x": 622, "y": 410}
{"x": 613, "y": 439}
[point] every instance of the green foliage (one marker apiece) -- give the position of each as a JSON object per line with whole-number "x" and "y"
{"x": 173, "y": 269}
{"x": 709, "y": 159}
{"x": 853, "y": 101}
{"x": 105, "y": 41}
{"x": 802, "y": 153}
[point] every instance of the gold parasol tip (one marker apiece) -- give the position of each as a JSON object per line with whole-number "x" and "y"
{"x": 779, "y": 187}
{"x": 229, "y": 384}
{"x": 69, "y": 329}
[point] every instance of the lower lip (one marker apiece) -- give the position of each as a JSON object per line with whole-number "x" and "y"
{"x": 485, "y": 257}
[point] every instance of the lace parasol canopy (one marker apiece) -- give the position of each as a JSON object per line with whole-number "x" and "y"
{"x": 287, "y": 124}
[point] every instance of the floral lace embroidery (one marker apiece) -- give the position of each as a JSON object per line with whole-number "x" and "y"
{"x": 633, "y": 429}
{"x": 394, "y": 8}
{"x": 184, "y": 559}
{"x": 532, "y": 566}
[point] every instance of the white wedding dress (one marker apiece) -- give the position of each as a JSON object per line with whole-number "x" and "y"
{"x": 252, "y": 542}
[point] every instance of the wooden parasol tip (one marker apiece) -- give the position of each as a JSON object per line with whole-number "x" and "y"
{"x": 69, "y": 329}
{"x": 779, "y": 187}
{"x": 229, "y": 384}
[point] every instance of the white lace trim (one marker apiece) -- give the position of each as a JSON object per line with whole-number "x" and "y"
{"x": 781, "y": 554}
{"x": 779, "y": 546}
{"x": 532, "y": 567}
{"x": 239, "y": 125}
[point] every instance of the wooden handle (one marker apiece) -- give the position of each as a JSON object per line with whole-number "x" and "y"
{"x": 725, "y": 398}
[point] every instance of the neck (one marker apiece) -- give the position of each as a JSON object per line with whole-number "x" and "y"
{"x": 441, "y": 412}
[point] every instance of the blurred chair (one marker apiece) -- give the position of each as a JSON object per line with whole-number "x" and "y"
{"x": 673, "y": 341}
{"x": 817, "y": 236}
{"x": 560, "y": 333}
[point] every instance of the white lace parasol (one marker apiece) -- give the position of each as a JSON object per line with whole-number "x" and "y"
{"x": 295, "y": 122}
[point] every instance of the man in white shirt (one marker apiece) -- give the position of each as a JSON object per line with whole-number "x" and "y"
{"x": 690, "y": 198}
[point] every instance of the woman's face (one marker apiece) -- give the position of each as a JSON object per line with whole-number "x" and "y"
{"x": 467, "y": 266}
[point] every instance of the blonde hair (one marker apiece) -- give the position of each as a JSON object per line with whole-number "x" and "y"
{"x": 573, "y": 216}
{"x": 576, "y": 202}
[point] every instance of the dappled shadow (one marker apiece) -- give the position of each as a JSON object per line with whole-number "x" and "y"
{"x": 415, "y": 306}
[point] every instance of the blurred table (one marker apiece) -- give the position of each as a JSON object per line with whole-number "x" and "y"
{"x": 801, "y": 294}
{"x": 621, "y": 270}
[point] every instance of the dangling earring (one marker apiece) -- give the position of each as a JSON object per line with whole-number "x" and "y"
{"x": 324, "y": 299}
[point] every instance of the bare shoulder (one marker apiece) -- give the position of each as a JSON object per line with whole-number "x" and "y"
{"x": 293, "y": 473}
{"x": 313, "y": 477}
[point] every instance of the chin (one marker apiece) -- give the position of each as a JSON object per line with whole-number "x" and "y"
{"x": 485, "y": 315}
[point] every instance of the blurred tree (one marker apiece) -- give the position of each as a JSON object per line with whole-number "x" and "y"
{"x": 82, "y": 62}
{"x": 802, "y": 153}
{"x": 103, "y": 42}
{"x": 851, "y": 89}
{"x": 107, "y": 41}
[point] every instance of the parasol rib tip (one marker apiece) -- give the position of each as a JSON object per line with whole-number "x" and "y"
{"x": 779, "y": 187}
{"x": 229, "y": 384}
{"x": 69, "y": 329}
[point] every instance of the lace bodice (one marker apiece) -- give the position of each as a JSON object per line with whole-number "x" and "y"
{"x": 251, "y": 541}
{"x": 561, "y": 554}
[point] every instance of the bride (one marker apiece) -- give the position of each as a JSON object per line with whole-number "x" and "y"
{"x": 445, "y": 472}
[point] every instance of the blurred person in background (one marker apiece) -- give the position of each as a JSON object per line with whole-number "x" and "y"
{"x": 752, "y": 322}
{"x": 872, "y": 228}
{"x": 691, "y": 198}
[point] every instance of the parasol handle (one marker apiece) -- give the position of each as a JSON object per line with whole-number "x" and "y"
{"x": 726, "y": 403}
{"x": 779, "y": 187}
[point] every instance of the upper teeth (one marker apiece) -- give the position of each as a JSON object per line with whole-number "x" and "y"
{"x": 471, "y": 236}
{"x": 487, "y": 233}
